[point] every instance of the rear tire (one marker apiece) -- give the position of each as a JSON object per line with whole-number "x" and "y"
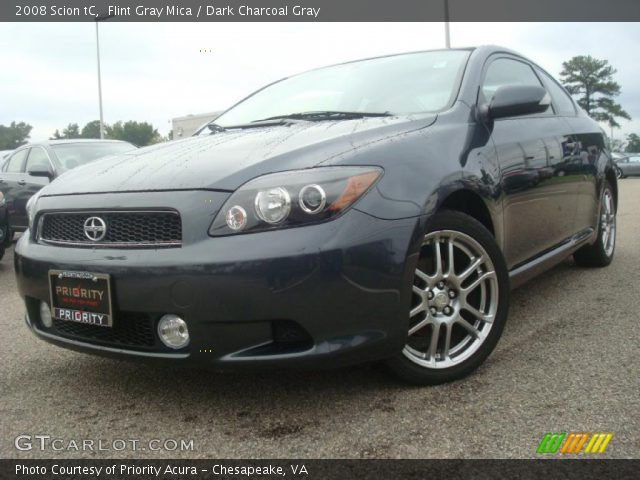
{"x": 600, "y": 253}
{"x": 459, "y": 307}
{"x": 619, "y": 173}
{"x": 8, "y": 238}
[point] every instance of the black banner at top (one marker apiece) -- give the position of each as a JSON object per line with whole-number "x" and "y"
{"x": 319, "y": 10}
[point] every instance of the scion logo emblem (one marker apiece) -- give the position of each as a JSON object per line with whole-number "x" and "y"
{"x": 95, "y": 228}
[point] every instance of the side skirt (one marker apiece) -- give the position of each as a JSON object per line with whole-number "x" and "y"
{"x": 534, "y": 267}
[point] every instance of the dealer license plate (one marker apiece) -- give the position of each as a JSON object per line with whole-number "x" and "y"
{"x": 81, "y": 297}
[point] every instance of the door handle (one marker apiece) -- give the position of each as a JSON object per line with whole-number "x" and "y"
{"x": 22, "y": 182}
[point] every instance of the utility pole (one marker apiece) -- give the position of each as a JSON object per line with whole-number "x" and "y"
{"x": 99, "y": 81}
{"x": 447, "y": 36}
{"x": 98, "y": 19}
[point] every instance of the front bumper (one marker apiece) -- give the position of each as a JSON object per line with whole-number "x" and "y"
{"x": 323, "y": 295}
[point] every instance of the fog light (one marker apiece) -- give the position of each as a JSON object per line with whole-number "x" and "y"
{"x": 45, "y": 315}
{"x": 173, "y": 331}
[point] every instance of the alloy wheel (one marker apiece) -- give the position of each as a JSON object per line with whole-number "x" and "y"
{"x": 608, "y": 223}
{"x": 455, "y": 300}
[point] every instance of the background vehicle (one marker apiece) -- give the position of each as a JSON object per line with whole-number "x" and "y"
{"x": 629, "y": 165}
{"x": 4, "y": 226}
{"x": 375, "y": 210}
{"x": 4, "y": 154}
{"x": 32, "y": 166}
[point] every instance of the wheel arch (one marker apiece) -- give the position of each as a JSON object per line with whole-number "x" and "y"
{"x": 471, "y": 203}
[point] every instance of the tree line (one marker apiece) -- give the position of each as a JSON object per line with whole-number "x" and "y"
{"x": 139, "y": 133}
{"x": 589, "y": 80}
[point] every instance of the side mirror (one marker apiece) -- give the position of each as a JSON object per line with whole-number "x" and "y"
{"x": 41, "y": 171}
{"x": 515, "y": 100}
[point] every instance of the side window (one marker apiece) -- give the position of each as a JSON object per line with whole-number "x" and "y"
{"x": 506, "y": 71}
{"x": 38, "y": 158}
{"x": 14, "y": 164}
{"x": 561, "y": 99}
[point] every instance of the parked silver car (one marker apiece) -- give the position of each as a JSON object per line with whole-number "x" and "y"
{"x": 628, "y": 165}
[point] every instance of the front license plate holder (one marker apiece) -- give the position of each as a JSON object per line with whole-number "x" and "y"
{"x": 81, "y": 297}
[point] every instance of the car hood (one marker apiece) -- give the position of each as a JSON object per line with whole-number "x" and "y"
{"x": 226, "y": 160}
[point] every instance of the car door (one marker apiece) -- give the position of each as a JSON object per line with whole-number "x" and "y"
{"x": 539, "y": 201}
{"x": 584, "y": 150}
{"x": 633, "y": 167}
{"x": 11, "y": 183}
{"x": 38, "y": 158}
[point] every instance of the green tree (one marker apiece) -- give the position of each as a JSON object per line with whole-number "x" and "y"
{"x": 616, "y": 145}
{"x": 91, "y": 130}
{"x": 633, "y": 143}
{"x": 70, "y": 131}
{"x": 56, "y": 135}
{"x": 14, "y": 135}
{"x": 138, "y": 133}
{"x": 590, "y": 80}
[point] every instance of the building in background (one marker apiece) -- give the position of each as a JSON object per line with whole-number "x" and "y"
{"x": 186, "y": 126}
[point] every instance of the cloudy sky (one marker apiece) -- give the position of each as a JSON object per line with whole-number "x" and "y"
{"x": 155, "y": 71}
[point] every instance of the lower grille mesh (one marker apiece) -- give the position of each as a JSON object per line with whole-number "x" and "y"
{"x": 130, "y": 330}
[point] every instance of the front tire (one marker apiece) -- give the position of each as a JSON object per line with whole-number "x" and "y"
{"x": 459, "y": 304}
{"x": 600, "y": 254}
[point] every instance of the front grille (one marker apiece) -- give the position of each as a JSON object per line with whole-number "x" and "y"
{"x": 123, "y": 229}
{"x": 129, "y": 330}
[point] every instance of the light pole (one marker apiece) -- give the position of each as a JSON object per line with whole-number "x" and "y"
{"x": 447, "y": 37}
{"x": 99, "y": 81}
{"x": 98, "y": 19}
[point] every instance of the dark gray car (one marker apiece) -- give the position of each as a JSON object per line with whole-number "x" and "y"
{"x": 375, "y": 210}
{"x": 32, "y": 166}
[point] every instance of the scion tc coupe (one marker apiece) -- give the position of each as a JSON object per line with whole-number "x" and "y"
{"x": 378, "y": 210}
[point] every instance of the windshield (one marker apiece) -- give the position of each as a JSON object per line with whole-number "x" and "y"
{"x": 400, "y": 84}
{"x": 71, "y": 155}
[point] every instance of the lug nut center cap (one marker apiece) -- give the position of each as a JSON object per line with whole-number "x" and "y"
{"x": 441, "y": 300}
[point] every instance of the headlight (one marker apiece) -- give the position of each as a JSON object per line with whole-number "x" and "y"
{"x": 293, "y": 198}
{"x": 31, "y": 210}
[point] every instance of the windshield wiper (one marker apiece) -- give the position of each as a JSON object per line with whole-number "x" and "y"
{"x": 215, "y": 128}
{"x": 326, "y": 115}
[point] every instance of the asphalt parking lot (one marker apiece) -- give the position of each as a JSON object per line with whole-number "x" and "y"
{"x": 567, "y": 362}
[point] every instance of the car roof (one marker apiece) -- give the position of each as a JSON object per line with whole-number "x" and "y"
{"x": 482, "y": 49}
{"x": 67, "y": 141}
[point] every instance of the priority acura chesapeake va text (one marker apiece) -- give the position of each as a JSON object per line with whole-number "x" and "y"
{"x": 377, "y": 210}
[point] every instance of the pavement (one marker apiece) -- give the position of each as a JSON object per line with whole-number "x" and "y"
{"x": 567, "y": 362}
